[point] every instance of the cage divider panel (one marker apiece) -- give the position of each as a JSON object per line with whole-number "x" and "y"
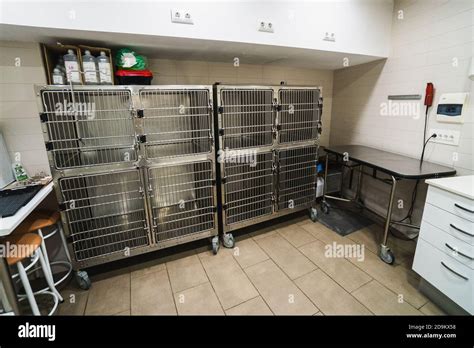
{"x": 177, "y": 122}
{"x": 247, "y": 117}
{"x": 182, "y": 199}
{"x": 299, "y": 115}
{"x": 105, "y": 212}
{"x": 89, "y": 127}
{"x": 248, "y": 190}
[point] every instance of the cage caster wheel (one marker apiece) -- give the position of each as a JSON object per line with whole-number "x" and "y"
{"x": 83, "y": 280}
{"x": 325, "y": 207}
{"x": 215, "y": 245}
{"x": 228, "y": 240}
{"x": 313, "y": 214}
{"x": 387, "y": 255}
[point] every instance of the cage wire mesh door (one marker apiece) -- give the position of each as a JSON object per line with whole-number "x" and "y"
{"x": 246, "y": 117}
{"x": 299, "y": 115}
{"x": 177, "y": 122}
{"x": 106, "y": 215}
{"x": 296, "y": 177}
{"x": 248, "y": 190}
{"x": 88, "y": 127}
{"x": 183, "y": 201}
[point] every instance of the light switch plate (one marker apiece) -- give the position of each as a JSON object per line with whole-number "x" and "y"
{"x": 445, "y": 136}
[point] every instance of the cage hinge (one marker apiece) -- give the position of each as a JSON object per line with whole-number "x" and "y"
{"x": 69, "y": 240}
{"x": 213, "y": 182}
{"x": 49, "y": 146}
{"x": 278, "y": 127}
{"x": 221, "y": 131}
{"x": 140, "y": 113}
{"x": 224, "y": 206}
{"x": 320, "y": 102}
{"x": 214, "y": 209}
{"x": 320, "y": 127}
{"x": 224, "y": 180}
{"x": 221, "y": 109}
{"x": 43, "y": 117}
{"x": 141, "y": 138}
{"x": 278, "y": 107}
{"x": 62, "y": 206}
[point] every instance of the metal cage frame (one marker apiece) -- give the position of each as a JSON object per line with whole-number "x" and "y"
{"x": 279, "y": 108}
{"x": 138, "y": 113}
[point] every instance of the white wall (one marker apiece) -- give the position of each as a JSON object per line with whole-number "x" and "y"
{"x": 19, "y": 121}
{"x": 361, "y": 26}
{"x": 424, "y": 45}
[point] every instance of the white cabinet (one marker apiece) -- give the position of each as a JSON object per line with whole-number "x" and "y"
{"x": 445, "y": 251}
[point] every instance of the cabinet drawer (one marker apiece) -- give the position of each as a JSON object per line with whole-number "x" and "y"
{"x": 455, "y": 204}
{"x": 458, "y": 227}
{"x": 456, "y": 248}
{"x": 451, "y": 277}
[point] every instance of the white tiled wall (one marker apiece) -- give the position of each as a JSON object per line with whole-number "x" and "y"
{"x": 19, "y": 120}
{"x": 432, "y": 43}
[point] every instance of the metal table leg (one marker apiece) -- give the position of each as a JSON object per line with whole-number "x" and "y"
{"x": 385, "y": 253}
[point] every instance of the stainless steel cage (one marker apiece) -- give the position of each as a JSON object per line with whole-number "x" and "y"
{"x": 296, "y": 177}
{"x": 281, "y": 125}
{"x": 248, "y": 188}
{"x": 133, "y": 166}
{"x": 246, "y": 117}
{"x": 183, "y": 200}
{"x": 105, "y": 213}
{"x": 177, "y": 121}
{"x": 88, "y": 127}
{"x": 299, "y": 114}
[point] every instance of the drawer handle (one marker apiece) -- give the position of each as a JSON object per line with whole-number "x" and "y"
{"x": 461, "y": 207}
{"x": 462, "y": 231}
{"x": 456, "y": 273}
{"x": 458, "y": 252}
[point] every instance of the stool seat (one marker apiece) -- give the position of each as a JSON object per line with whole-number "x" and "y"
{"x": 37, "y": 221}
{"x": 32, "y": 242}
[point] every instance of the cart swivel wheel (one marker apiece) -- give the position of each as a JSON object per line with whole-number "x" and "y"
{"x": 228, "y": 240}
{"x": 313, "y": 214}
{"x": 215, "y": 245}
{"x": 325, "y": 207}
{"x": 387, "y": 256}
{"x": 83, "y": 280}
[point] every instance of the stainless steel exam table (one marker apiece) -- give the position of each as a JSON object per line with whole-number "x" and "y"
{"x": 397, "y": 167}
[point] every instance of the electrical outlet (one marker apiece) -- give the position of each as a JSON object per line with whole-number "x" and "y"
{"x": 445, "y": 136}
{"x": 181, "y": 16}
{"x": 266, "y": 27}
{"x": 329, "y": 37}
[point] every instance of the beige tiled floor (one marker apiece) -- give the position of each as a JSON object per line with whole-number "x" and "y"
{"x": 282, "y": 270}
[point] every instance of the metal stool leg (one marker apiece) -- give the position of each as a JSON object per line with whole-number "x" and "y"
{"x": 48, "y": 275}
{"x": 27, "y": 286}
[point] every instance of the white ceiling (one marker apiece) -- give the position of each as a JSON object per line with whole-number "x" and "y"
{"x": 188, "y": 49}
